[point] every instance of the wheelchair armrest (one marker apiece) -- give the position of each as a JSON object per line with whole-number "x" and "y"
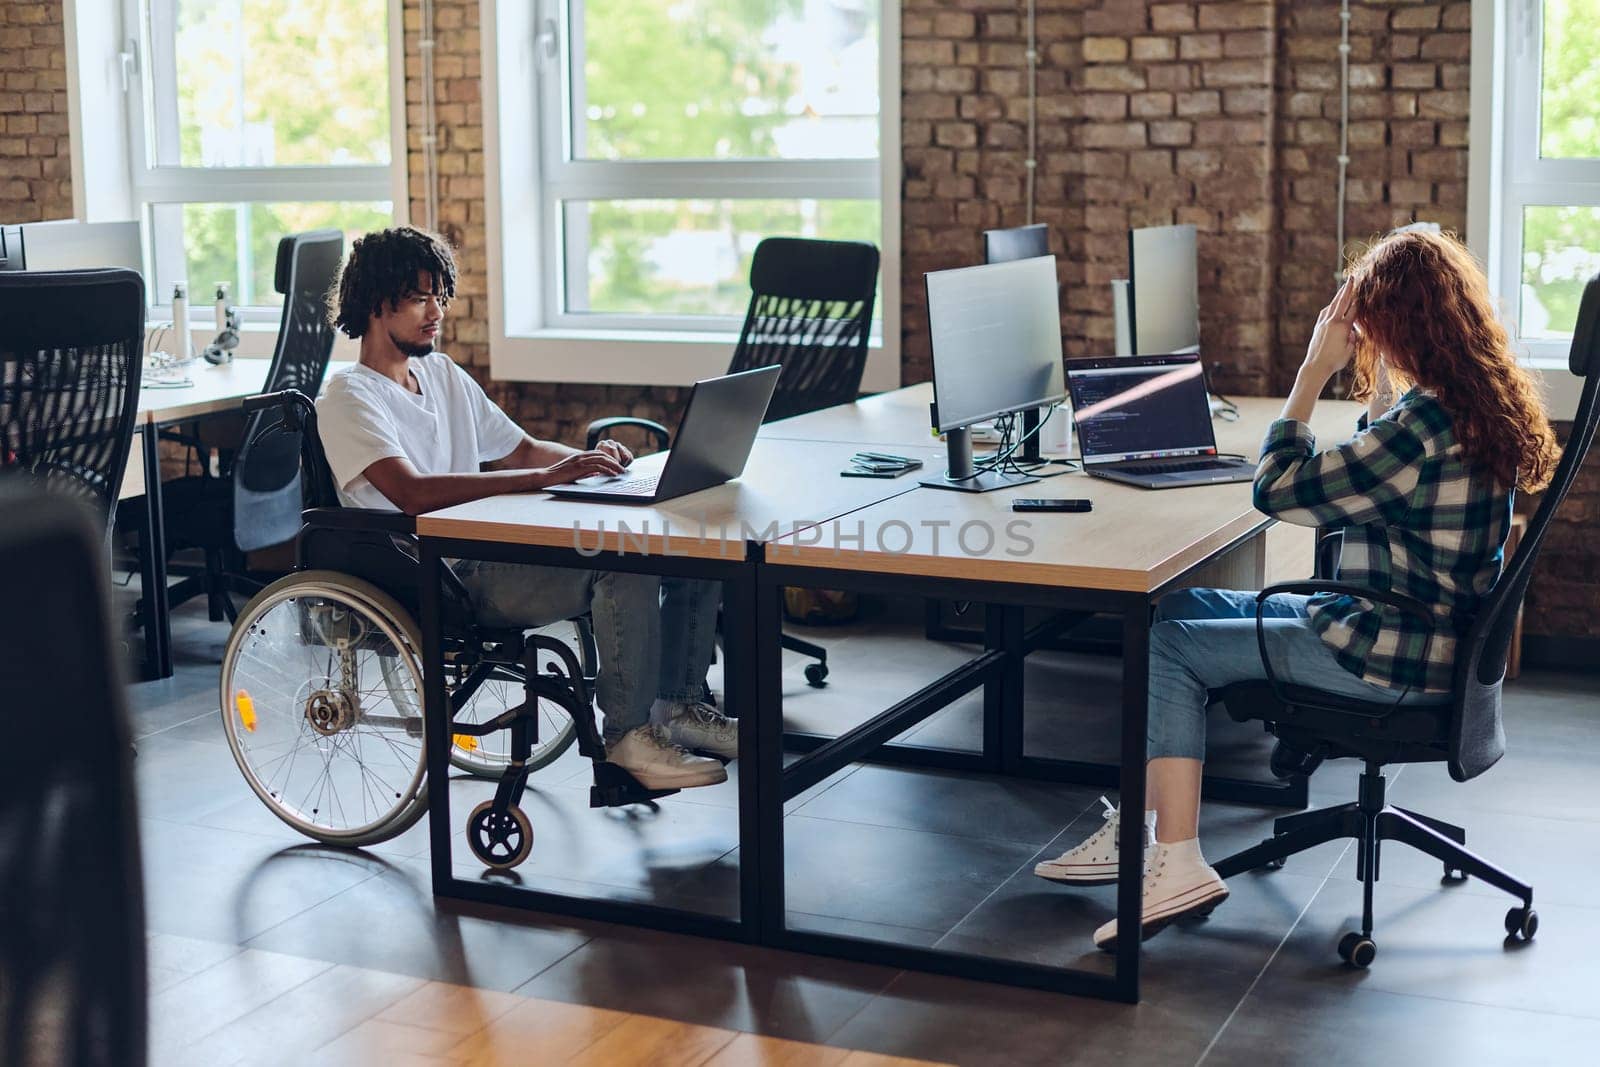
{"x": 359, "y": 519}
{"x": 597, "y": 429}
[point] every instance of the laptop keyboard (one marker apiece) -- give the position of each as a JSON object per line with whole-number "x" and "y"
{"x": 1171, "y": 468}
{"x": 637, "y": 487}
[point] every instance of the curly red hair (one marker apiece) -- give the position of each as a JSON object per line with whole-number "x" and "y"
{"x": 1422, "y": 306}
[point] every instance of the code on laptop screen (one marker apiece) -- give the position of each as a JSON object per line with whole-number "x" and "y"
{"x": 1139, "y": 411}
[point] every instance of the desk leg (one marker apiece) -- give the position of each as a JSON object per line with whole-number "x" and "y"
{"x": 1135, "y": 713}
{"x": 1002, "y": 697}
{"x": 436, "y": 715}
{"x": 155, "y": 616}
{"x": 765, "y": 743}
{"x": 744, "y": 678}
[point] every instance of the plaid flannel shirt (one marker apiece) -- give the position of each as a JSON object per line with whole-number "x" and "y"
{"x": 1417, "y": 520}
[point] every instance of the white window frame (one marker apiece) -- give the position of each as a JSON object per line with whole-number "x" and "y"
{"x": 147, "y": 49}
{"x": 528, "y": 174}
{"x": 1506, "y": 173}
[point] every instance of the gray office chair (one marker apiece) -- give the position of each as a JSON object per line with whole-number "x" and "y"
{"x": 1466, "y": 733}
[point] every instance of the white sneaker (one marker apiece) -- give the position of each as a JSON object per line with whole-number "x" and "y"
{"x": 1174, "y": 886}
{"x": 649, "y": 755}
{"x": 1094, "y": 862}
{"x": 700, "y": 727}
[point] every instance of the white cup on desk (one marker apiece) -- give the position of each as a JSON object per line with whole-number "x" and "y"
{"x": 1055, "y": 434}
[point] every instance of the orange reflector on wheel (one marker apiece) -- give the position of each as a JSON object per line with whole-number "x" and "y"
{"x": 246, "y": 708}
{"x": 466, "y": 742}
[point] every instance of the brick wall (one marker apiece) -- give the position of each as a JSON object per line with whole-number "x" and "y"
{"x": 35, "y": 165}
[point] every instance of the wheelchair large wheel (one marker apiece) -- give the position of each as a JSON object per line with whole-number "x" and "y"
{"x": 308, "y": 713}
{"x": 499, "y": 689}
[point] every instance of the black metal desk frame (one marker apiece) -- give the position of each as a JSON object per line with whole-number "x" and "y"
{"x": 752, "y": 607}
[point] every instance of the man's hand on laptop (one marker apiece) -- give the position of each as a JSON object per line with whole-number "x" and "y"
{"x": 616, "y": 450}
{"x": 579, "y": 465}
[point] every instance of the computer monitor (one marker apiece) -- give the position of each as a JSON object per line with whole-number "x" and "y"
{"x": 1019, "y": 242}
{"x": 10, "y": 248}
{"x": 996, "y": 338}
{"x": 1163, "y": 290}
{"x": 72, "y": 245}
{"x": 1003, "y": 246}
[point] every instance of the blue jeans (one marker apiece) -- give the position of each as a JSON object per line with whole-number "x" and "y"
{"x": 649, "y": 645}
{"x": 1206, "y": 638}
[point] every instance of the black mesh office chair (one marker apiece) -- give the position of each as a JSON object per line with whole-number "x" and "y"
{"x": 1465, "y": 733}
{"x": 256, "y": 503}
{"x": 810, "y": 313}
{"x": 72, "y": 940}
{"x": 71, "y": 352}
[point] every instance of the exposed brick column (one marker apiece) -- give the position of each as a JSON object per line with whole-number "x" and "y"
{"x": 35, "y": 153}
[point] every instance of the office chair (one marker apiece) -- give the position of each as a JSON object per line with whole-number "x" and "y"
{"x": 71, "y": 352}
{"x": 72, "y": 938}
{"x": 1466, "y": 733}
{"x": 810, "y": 313}
{"x": 256, "y": 503}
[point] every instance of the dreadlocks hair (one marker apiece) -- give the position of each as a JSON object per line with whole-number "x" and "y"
{"x": 382, "y": 268}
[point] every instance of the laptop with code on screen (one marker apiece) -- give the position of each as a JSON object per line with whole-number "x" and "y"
{"x": 1144, "y": 420}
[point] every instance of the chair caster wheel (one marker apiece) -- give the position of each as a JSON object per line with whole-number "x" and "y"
{"x": 1454, "y": 874}
{"x": 1357, "y": 950}
{"x": 1274, "y": 865}
{"x": 500, "y": 840}
{"x": 817, "y": 675}
{"x": 1522, "y": 923}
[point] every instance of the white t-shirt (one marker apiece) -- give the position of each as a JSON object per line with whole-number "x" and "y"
{"x": 450, "y": 428}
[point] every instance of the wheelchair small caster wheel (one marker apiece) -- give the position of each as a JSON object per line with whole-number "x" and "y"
{"x": 1522, "y": 923}
{"x": 1357, "y": 950}
{"x": 500, "y": 840}
{"x": 817, "y": 675}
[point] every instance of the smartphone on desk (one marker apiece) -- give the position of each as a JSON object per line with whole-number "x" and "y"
{"x": 1051, "y": 504}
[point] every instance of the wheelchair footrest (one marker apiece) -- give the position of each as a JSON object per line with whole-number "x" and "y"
{"x": 614, "y": 786}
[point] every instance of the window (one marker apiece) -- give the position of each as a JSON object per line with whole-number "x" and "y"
{"x": 1549, "y": 175}
{"x": 252, "y": 119}
{"x": 641, "y": 149}
{"x": 676, "y": 134}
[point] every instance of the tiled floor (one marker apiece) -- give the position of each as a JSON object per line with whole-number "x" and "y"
{"x": 327, "y": 946}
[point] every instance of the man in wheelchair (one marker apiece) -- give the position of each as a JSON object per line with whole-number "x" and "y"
{"x": 407, "y": 429}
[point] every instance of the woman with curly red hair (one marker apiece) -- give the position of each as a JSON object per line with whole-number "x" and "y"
{"x": 1423, "y": 496}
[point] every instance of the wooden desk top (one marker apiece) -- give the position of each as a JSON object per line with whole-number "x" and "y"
{"x": 1134, "y": 540}
{"x": 215, "y": 389}
{"x": 786, "y": 486}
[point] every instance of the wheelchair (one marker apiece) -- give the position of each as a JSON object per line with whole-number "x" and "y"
{"x": 322, "y": 677}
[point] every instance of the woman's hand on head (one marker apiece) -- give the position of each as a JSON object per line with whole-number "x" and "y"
{"x": 1333, "y": 341}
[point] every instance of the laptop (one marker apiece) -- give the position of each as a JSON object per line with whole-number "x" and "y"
{"x": 711, "y": 446}
{"x": 1145, "y": 421}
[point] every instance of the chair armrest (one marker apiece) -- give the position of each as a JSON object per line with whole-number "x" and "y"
{"x": 359, "y": 519}
{"x": 597, "y": 430}
{"x": 1399, "y": 601}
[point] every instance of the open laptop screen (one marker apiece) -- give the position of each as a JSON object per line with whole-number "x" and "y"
{"x": 1140, "y": 408}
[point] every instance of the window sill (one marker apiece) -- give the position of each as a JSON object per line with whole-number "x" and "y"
{"x": 637, "y": 357}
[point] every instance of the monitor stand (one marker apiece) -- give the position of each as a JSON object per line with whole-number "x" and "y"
{"x": 965, "y": 478}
